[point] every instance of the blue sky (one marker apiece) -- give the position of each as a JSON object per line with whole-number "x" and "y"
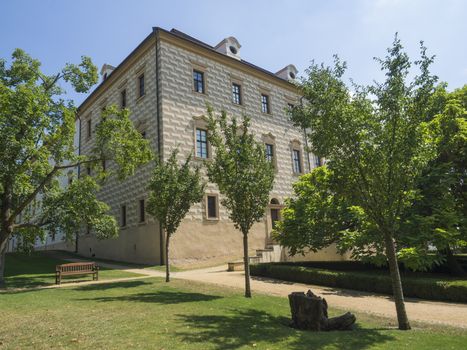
{"x": 272, "y": 33}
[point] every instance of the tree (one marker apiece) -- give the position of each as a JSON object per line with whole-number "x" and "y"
{"x": 315, "y": 217}
{"x": 173, "y": 189}
{"x": 438, "y": 215}
{"x": 243, "y": 174}
{"x": 36, "y": 141}
{"x": 375, "y": 140}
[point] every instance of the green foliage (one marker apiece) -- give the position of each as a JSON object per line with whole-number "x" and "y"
{"x": 315, "y": 217}
{"x": 240, "y": 170}
{"x": 433, "y": 288}
{"x": 37, "y": 128}
{"x": 118, "y": 140}
{"x": 376, "y": 143}
{"x": 173, "y": 189}
{"x": 438, "y": 216}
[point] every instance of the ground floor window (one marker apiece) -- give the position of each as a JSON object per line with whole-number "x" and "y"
{"x": 212, "y": 207}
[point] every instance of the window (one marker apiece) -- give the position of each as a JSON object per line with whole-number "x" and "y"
{"x": 88, "y": 170}
{"x": 123, "y": 98}
{"x": 89, "y": 127}
{"x": 198, "y": 81}
{"x": 103, "y": 164}
{"x": 290, "y": 106}
{"x": 265, "y": 103}
{"x": 236, "y": 94}
{"x": 297, "y": 165}
{"x": 141, "y": 85}
{"x": 270, "y": 152}
{"x": 142, "y": 212}
{"x": 317, "y": 161}
{"x": 70, "y": 177}
{"x": 212, "y": 212}
{"x": 201, "y": 143}
{"x": 275, "y": 217}
{"x": 143, "y": 134}
{"x": 123, "y": 216}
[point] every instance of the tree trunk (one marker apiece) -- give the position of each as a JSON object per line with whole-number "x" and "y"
{"x": 402, "y": 318}
{"x": 167, "y": 266}
{"x": 76, "y": 242}
{"x": 246, "y": 262}
{"x": 454, "y": 267}
{"x": 310, "y": 312}
{"x": 3, "y": 246}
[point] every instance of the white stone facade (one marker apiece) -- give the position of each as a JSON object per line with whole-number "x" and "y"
{"x": 170, "y": 109}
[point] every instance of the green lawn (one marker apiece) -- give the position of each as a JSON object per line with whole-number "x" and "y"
{"x": 38, "y": 269}
{"x": 150, "y": 313}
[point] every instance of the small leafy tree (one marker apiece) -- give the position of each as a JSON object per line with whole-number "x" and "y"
{"x": 376, "y": 143}
{"x": 173, "y": 189}
{"x": 243, "y": 174}
{"x": 37, "y": 128}
{"x": 315, "y": 216}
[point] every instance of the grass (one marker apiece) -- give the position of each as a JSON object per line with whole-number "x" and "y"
{"x": 150, "y": 313}
{"x": 38, "y": 269}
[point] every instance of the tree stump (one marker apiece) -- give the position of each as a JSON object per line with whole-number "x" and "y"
{"x": 310, "y": 312}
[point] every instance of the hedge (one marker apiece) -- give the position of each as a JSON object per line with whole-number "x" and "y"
{"x": 352, "y": 265}
{"x": 417, "y": 287}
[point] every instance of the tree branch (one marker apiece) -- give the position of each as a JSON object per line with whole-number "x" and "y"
{"x": 44, "y": 182}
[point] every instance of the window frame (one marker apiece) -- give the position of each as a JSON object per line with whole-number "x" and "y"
{"x": 269, "y": 139}
{"x": 201, "y": 122}
{"x": 142, "y": 211}
{"x": 268, "y": 102}
{"x": 295, "y": 146}
{"x": 123, "y": 216}
{"x": 195, "y": 82}
{"x": 296, "y": 155}
{"x": 270, "y": 155}
{"x": 141, "y": 87}
{"x": 89, "y": 128}
{"x": 235, "y": 94}
{"x": 198, "y": 149}
{"x": 123, "y": 98}
{"x": 216, "y": 202}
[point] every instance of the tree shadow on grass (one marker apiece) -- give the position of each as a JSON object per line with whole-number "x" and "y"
{"x": 112, "y": 285}
{"x": 158, "y": 297}
{"x": 247, "y": 327}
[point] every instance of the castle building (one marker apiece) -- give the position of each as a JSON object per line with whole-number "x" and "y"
{"x": 166, "y": 82}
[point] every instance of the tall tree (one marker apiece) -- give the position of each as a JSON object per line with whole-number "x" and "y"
{"x": 37, "y": 128}
{"x": 173, "y": 190}
{"x": 375, "y": 141}
{"x": 243, "y": 174}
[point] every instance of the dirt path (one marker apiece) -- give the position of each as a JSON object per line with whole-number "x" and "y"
{"x": 451, "y": 314}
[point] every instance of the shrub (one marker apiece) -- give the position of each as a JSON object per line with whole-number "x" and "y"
{"x": 368, "y": 281}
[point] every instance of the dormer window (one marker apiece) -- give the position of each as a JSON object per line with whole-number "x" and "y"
{"x": 230, "y": 47}
{"x": 106, "y": 70}
{"x": 288, "y": 72}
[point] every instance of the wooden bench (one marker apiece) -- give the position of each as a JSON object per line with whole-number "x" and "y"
{"x": 78, "y": 268}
